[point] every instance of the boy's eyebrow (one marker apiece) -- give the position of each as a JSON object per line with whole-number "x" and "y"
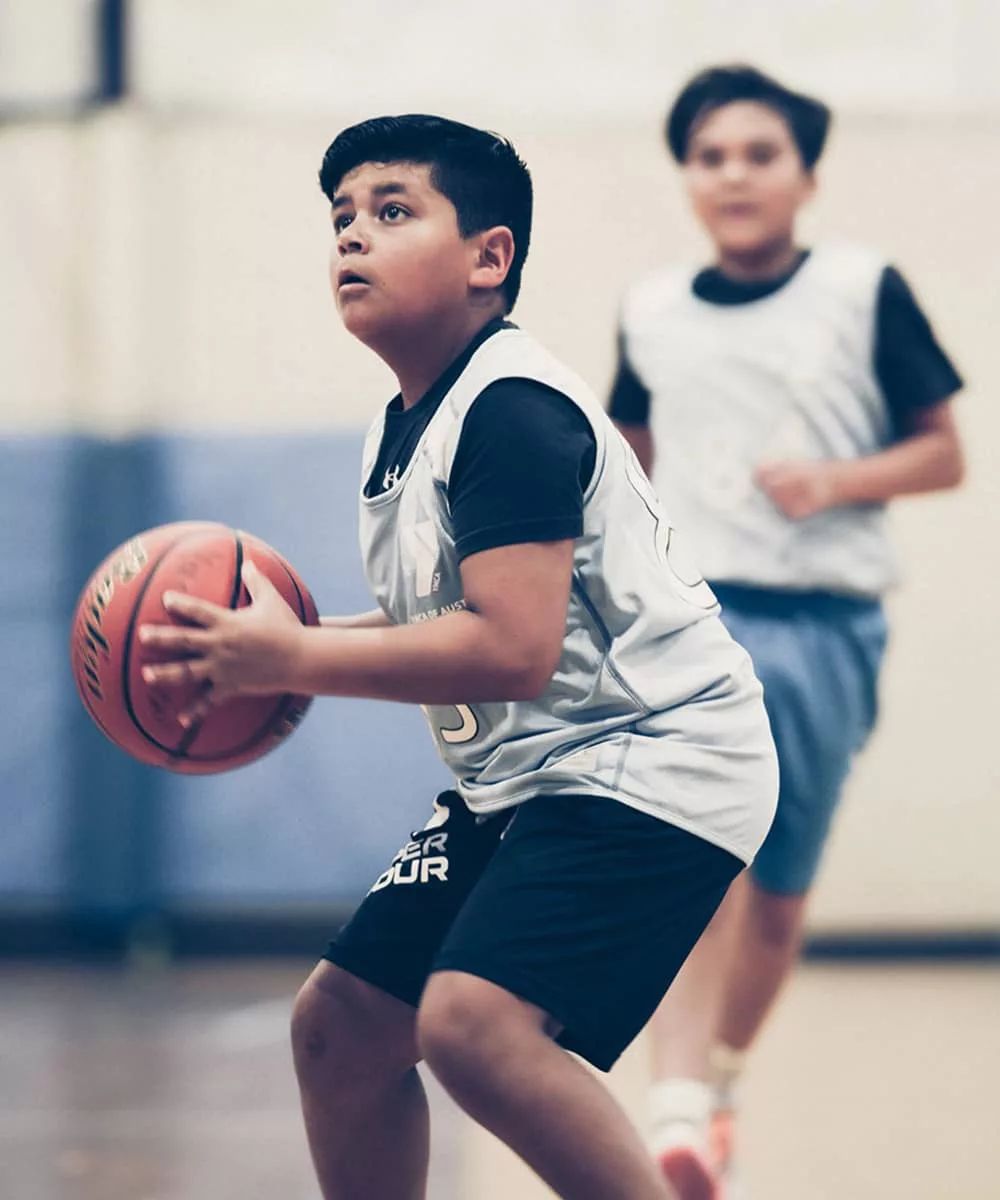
{"x": 380, "y": 189}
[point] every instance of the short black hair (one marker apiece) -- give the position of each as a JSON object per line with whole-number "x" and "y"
{"x": 478, "y": 171}
{"x": 808, "y": 118}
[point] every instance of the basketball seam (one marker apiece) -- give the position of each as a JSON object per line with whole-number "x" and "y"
{"x": 285, "y": 702}
{"x": 127, "y": 654}
{"x": 191, "y": 733}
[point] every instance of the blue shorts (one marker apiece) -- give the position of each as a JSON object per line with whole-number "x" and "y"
{"x": 818, "y": 657}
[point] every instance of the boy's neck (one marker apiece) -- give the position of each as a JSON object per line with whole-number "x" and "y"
{"x": 758, "y": 265}
{"x": 420, "y": 357}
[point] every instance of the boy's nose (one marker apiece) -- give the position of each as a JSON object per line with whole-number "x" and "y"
{"x": 734, "y": 170}
{"x": 352, "y": 240}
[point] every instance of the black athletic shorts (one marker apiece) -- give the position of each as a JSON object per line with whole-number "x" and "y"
{"x": 578, "y": 904}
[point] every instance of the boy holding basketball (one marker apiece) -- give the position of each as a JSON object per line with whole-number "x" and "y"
{"x": 613, "y": 766}
{"x": 778, "y": 398}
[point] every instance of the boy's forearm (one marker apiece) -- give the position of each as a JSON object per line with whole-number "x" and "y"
{"x": 927, "y": 462}
{"x": 455, "y": 659}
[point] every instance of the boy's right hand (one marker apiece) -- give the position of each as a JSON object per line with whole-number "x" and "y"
{"x": 799, "y": 489}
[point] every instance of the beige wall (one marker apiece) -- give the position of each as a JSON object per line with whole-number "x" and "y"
{"x": 169, "y": 273}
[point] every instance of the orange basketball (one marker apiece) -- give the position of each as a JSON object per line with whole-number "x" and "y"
{"x": 125, "y": 592}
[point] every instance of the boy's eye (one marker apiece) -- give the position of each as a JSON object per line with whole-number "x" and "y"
{"x": 762, "y": 153}
{"x": 710, "y": 156}
{"x": 341, "y": 221}
{"x": 392, "y": 212}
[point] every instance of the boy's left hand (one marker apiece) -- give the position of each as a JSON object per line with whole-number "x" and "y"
{"x": 241, "y": 652}
{"x": 799, "y": 489}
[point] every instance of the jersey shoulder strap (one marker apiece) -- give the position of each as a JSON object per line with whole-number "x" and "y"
{"x": 509, "y": 354}
{"x": 656, "y": 292}
{"x": 848, "y": 268}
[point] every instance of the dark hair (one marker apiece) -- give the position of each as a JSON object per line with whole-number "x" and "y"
{"x": 808, "y": 119}
{"x": 479, "y": 172}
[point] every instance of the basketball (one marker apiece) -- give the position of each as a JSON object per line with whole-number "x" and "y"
{"x": 205, "y": 560}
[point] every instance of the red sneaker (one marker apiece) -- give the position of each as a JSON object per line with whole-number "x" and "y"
{"x": 689, "y": 1173}
{"x": 721, "y": 1147}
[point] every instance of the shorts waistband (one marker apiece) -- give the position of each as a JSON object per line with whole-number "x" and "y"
{"x": 775, "y": 602}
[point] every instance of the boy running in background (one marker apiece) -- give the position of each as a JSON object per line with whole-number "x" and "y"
{"x": 778, "y": 398}
{"x": 613, "y": 766}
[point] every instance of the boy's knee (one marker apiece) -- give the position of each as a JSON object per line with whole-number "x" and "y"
{"x": 465, "y": 1021}
{"x": 778, "y": 919}
{"x": 345, "y": 1031}
{"x": 449, "y": 1022}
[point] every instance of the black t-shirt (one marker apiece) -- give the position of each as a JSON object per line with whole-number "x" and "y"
{"x": 524, "y": 458}
{"x": 912, "y": 370}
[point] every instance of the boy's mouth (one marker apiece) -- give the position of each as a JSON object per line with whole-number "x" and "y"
{"x": 738, "y": 208}
{"x": 347, "y": 276}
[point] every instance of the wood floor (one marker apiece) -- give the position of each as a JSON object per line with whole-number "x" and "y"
{"x": 176, "y": 1084}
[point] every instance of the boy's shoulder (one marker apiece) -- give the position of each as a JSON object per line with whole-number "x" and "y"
{"x": 514, "y": 353}
{"x": 847, "y": 263}
{"x": 665, "y": 286}
{"x": 510, "y": 354}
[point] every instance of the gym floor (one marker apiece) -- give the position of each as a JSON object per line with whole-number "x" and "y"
{"x": 175, "y": 1083}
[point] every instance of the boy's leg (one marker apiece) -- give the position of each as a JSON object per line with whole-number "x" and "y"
{"x": 767, "y": 949}
{"x": 574, "y": 931}
{"x": 686, "y": 1025}
{"x": 736, "y": 972}
{"x": 354, "y": 1024}
{"x": 682, "y": 1035}
{"x": 730, "y": 982}
{"x": 819, "y": 673}
{"x": 495, "y": 1055}
{"x": 364, "y": 1107}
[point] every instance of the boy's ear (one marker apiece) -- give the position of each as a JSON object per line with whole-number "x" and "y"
{"x": 494, "y": 256}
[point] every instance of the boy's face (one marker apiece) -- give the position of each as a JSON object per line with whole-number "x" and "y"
{"x": 746, "y": 178}
{"x": 399, "y": 260}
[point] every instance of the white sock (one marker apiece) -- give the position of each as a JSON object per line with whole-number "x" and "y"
{"x": 726, "y": 1066}
{"x": 679, "y": 1113}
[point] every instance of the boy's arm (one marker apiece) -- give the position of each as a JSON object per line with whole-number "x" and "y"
{"x": 503, "y": 646}
{"x": 928, "y": 459}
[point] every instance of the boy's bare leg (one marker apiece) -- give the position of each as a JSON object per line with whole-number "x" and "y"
{"x": 364, "y": 1106}
{"x": 682, "y": 1033}
{"x": 686, "y": 1025}
{"x": 494, "y": 1053}
{"x": 768, "y": 946}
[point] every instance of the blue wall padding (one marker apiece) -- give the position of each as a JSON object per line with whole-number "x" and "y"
{"x": 81, "y": 824}
{"x": 35, "y": 778}
{"x": 34, "y": 578}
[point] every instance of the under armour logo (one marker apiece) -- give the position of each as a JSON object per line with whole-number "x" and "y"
{"x": 390, "y": 478}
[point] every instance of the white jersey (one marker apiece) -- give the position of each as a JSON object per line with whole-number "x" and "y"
{"x": 789, "y": 376}
{"x": 652, "y": 703}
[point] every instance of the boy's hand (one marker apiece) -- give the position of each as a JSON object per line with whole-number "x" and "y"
{"x": 799, "y": 489}
{"x": 249, "y": 651}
